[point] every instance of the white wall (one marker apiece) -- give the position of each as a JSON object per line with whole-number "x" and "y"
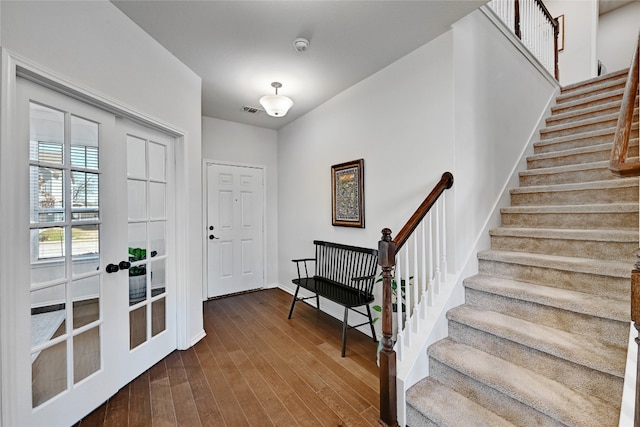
{"x": 234, "y": 142}
{"x": 399, "y": 120}
{"x": 95, "y": 45}
{"x": 578, "y": 60}
{"x": 499, "y": 100}
{"x": 618, "y": 35}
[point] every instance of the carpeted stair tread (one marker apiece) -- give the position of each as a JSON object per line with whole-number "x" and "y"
{"x": 615, "y": 75}
{"x": 557, "y": 262}
{"x": 593, "y": 185}
{"x": 537, "y": 391}
{"x": 579, "y": 349}
{"x": 574, "y": 127}
{"x": 578, "y": 302}
{"x": 570, "y": 209}
{"x": 600, "y": 98}
{"x": 582, "y": 113}
{"x": 607, "y": 147}
{"x": 575, "y": 167}
{"x": 593, "y": 137}
{"x": 435, "y": 401}
{"x": 626, "y": 236}
{"x": 603, "y": 86}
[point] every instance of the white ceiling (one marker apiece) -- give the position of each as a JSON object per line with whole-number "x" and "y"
{"x": 605, "y": 6}
{"x": 240, "y": 47}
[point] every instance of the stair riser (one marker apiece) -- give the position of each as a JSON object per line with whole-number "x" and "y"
{"x": 573, "y": 129}
{"x": 608, "y": 78}
{"x": 569, "y": 177}
{"x": 611, "y": 331}
{"x": 579, "y": 158}
{"x": 510, "y": 409}
{"x": 577, "y": 116}
{"x": 417, "y": 419}
{"x": 598, "y": 220}
{"x": 574, "y": 95}
{"x": 580, "y": 141}
{"x": 616, "y": 287}
{"x": 615, "y": 251}
{"x": 578, "y": 377}
{"x": 576, "y": 197}
{"x": 581, "y": 105}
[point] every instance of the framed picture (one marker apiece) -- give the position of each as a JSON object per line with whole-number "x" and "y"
{"x": 347, "y": 194}
{"x": 560, "y": 20}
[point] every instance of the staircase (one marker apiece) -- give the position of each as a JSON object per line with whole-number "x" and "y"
{"x": 543, "y": 334}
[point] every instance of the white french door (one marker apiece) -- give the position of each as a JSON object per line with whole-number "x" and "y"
{"x": 89, "y": 188}
{"x": 235, "y": 238}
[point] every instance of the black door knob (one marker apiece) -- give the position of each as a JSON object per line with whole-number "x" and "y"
{"x": 124, "y": 265}
{"x": 112, "y": 268}
{"x": 211, "y": 227}
{"x": 211, "y": 237}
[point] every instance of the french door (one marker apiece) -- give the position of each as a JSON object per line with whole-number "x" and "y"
{"x": 96, "y": 306}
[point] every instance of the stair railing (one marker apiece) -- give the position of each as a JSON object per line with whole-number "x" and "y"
{"x": 532, "y": 23}
{"x": 623, "y": 129}
{"x": 407, "y": 291}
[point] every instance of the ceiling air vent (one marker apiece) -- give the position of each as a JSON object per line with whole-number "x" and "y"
{"x": 252, "y": 110}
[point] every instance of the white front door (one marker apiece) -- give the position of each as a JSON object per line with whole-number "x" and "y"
{"x": 235, "y": 237}
{"x": 81, "y": 210}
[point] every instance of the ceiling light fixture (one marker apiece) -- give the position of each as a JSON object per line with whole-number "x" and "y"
{"x": 276, "y": 105}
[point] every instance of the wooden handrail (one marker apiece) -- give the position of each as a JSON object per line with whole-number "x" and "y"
{"x": 623, "y": 128}
{"x": 387, "y": 250}
{"x": 445, "y": 183}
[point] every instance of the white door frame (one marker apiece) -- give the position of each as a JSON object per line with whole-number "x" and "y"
{"x": 12, "y": 66}
{"x": 205, "y": 205}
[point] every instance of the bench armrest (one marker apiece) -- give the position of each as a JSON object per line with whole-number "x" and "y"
{"x": 303, "y": 260}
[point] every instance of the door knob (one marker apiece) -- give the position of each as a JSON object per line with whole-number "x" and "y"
{"x": 211, "y": 227}
{"x": 211, "y": 237}
{"x": 112, "y": 268}
{"x": 124, "y": 265}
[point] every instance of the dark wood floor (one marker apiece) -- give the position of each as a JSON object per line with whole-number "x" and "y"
{"x": 255, "y": 368}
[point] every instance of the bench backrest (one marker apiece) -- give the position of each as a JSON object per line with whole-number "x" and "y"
{"x": 341, "y": 263}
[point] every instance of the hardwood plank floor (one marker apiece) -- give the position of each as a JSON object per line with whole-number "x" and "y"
{"x": 255, "y": 368}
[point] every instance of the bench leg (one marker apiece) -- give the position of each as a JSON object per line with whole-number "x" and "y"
{"x": 373, "y": 331}
{"x": 344, "y": 331}
{"x": 293, "y": 303}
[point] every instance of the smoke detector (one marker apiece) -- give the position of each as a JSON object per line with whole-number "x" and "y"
{"x": 301, "y": 44}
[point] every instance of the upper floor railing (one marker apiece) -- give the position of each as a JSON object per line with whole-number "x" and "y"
{"x": 532, "y": 23}
{"x": 412, "y": 266}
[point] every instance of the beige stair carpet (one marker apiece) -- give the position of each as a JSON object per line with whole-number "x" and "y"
{"x": 542, "y": 337}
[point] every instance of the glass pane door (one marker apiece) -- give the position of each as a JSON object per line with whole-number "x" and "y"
{"x": 150, "y": 305}
{"x": 65, "y": 250}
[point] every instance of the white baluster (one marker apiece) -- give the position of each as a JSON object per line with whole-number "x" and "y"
{"x": 443, "y": 258}
{"x": 436, "y": 258}
{"x": 399, "y": 331}
{"x": 430, "y": 289}
{"x": 407, "y": 297}
{"x": 415, "y": 286}
{"x": 423, "y": 279}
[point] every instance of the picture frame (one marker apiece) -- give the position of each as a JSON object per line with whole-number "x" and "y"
{"x": 347, "y": 194}
{"x": 560, "y": 20}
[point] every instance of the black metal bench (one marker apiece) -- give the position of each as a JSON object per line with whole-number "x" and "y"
{"x": 343, "y": 274}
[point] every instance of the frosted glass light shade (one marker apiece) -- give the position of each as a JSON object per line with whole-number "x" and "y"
{"x": 276, "y": 105}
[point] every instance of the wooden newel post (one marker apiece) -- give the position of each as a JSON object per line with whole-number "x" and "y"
{"x": 388, "y": 392}
{"x": 635, "y": 317}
